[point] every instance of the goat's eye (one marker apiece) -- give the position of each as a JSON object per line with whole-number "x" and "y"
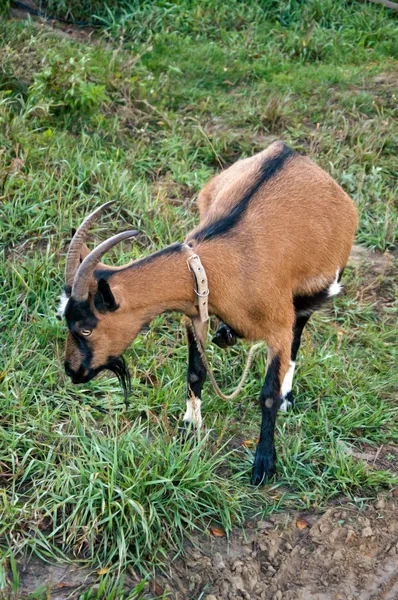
{"x": 86, "y": 332}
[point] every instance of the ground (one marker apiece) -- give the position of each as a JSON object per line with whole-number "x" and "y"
{"x": 145, "y": 107}
{"x": 344, "y": 552}
{"x": 341, "y": 554}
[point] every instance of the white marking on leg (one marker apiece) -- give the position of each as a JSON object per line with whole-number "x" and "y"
{"x": 193, "y": 413}
{"x": 63, "y": 301}
{"x": 287, "y": 387}
{"x": 288, "y": 380}
{"x": 335, "y": 287}
{"x": 285, "y": 406}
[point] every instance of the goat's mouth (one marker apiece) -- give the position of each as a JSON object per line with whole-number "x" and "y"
{"x": 115, "y": 364}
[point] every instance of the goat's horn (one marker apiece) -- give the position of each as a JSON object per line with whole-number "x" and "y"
{"x": 84, "y": 274}
{"x": 73, "y": 256}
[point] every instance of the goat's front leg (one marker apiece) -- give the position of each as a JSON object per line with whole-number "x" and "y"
{"x": 270, "y": 400}
{"x": 196, "y": 377}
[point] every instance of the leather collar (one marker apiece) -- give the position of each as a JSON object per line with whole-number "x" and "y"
{"x": 201, "y": 289}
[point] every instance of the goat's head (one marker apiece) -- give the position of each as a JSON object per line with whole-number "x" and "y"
{"x": 96, "y": 318}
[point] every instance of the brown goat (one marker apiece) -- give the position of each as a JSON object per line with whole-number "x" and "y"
{"x": 274, "y": 237}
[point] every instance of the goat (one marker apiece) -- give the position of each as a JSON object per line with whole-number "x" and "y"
{"x": 274, "y": 237}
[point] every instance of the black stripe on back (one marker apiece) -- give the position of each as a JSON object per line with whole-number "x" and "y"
{"x": 268, "y": 170}
{"x": 105, "y": 274}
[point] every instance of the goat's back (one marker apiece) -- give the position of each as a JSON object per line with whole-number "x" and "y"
{"x": 297, "y": 219}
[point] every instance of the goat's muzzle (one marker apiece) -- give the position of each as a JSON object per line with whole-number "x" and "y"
{"x": 82, "y": 375}
{"x": 115, "y": 364}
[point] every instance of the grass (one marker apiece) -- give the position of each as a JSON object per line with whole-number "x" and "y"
{"x": 161, "y": 98}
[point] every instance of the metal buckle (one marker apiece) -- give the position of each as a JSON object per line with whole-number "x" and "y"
{"x": 203, "y": 294}
{"x": 190, "y": 258}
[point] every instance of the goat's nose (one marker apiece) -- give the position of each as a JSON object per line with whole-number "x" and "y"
{"x": 68, "y": 369}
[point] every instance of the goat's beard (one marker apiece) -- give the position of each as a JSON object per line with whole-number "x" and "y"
{"x": 118, "y": 366}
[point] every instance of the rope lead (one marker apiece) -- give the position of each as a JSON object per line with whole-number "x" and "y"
{"x": 249, "y": 361}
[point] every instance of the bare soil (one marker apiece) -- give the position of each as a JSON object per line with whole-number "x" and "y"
{"x": 59, "y": 27}
{"x": 378, "y": 272}
{"x": 343, "y": 554}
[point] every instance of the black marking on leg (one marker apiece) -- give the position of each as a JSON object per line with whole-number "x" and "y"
{"x": 196, "y": 369}
{"x": 301, "y": 322}
{"x": 265, "y": 458}
{"x": 305, "y": 305}
{"x": 289, "y": 399}
{"x": 195, "y": 378}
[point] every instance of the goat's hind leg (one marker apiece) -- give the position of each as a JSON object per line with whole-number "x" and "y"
{"x": 304, "y": 307}
{"x": 195, "y": 378}
{"x": 287, "y": 394}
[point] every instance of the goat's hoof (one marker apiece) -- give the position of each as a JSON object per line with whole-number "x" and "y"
{"x": 224, "y": 337}
{"x": 187, "y": 429}
{"x": 263, "y": 470}
{"x": 287, "y": 403}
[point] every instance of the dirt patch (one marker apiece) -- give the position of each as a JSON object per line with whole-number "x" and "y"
{"x": 389, "y": 80}
{"x": 384, "y": 457}
{"x": 57, "y": 582}
{"x": 378, "y": 272}
{"x": 378, "y": 263}
{"x": 62, "y": 28}
{"x": 342, "y": 554}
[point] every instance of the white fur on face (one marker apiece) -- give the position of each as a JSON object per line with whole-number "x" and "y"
{"x": 63, "y": 301}
{"x": 335, "y": 287}
{"x": 193, "y": 414}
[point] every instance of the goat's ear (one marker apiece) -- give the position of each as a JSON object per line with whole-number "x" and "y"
{"x": 104, "y": 300}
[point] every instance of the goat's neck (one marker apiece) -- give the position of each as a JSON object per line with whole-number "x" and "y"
{"x": 159, "y": 283}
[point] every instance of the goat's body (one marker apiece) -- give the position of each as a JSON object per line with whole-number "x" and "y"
{"x": 274, "y": 237}
{"x": 295, "y": 237}
{"x": 292, "y": 228}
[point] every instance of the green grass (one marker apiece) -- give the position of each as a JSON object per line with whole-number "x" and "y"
{"x": 164, "y": 95}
